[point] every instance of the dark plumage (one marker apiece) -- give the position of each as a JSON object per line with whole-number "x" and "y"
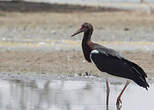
{"x": 109, "y": 61}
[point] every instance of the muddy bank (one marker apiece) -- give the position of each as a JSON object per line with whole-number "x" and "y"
{"x": 58, "y": 62}
{"x": 50, "y": 25}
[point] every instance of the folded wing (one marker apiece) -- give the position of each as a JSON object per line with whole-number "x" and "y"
{"x": 110, "y": 61}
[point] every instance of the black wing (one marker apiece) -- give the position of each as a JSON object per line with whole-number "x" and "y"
{"x": 108, "y": 60}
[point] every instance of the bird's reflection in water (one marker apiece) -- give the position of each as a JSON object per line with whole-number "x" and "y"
{"x": 70, "y": 95}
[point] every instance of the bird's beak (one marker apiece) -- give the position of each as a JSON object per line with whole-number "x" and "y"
{"x": 77, "y": 32}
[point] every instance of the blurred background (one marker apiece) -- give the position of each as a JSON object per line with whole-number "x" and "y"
{"x": 39, "y": 61}
{"x": 34, "y": 26}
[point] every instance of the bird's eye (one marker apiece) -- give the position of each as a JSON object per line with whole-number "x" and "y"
{"x": 82, "y": 27}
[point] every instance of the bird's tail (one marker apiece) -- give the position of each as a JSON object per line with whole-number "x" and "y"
{"x": 139, "y": 75}
{"x": 141, "y": 82}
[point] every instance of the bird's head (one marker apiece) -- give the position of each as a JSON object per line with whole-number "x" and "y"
{"x": 85, "y": 27}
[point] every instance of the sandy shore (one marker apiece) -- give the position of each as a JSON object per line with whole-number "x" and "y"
{"x": 49, "y": 25}
{"x": 62, "y": 61}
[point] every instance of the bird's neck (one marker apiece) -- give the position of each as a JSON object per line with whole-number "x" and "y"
{"x": 85, "y": 45}
{"x": 87, "y": 37}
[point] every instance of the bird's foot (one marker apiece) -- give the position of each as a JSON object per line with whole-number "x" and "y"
{"x": 87, "y": 74}
{"x": 84, "y": 74}
{"x": 119, "y": 103}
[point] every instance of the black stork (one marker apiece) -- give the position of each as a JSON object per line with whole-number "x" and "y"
{"x": 110, "y": 61}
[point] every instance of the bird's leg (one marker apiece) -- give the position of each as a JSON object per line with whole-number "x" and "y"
{"x": 119, "y": 102}
{"x": 107, "y": 95}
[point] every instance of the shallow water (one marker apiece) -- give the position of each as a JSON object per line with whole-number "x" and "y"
{"x": 44, "y": 94}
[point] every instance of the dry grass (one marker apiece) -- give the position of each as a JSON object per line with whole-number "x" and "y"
{"x": 99, "y": 19}
{"x": 39, "y": 14}
{"x": 68, "y": 62}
